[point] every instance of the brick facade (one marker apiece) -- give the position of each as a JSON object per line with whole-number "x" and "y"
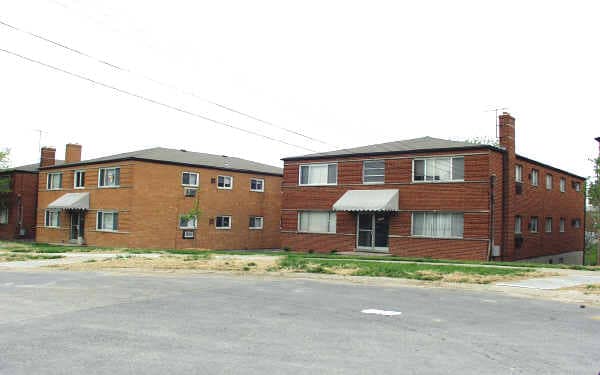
{"x": 21, "y": 203}
{"x": 487, "y": 198}
{"x": 150, "y": 200}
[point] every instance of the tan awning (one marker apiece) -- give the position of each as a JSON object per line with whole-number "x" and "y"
{"x": 72, "y": 201}
{"x": 368, "y": 200}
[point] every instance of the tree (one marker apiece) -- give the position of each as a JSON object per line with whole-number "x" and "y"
{"x": 4, "y": 180}
{"x": 4, "y": 158}
{"x": 593, "y": 187}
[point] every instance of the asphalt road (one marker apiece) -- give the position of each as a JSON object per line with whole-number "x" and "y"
{"x": 94, "y": 323}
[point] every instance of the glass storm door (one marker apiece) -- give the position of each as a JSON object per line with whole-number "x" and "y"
{"x": 373, "y": 231}
{"x": 76, "y": 226}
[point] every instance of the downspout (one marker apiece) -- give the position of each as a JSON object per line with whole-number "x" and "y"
{"x": 584, "y": 220}
{"x": 492, "y": 219}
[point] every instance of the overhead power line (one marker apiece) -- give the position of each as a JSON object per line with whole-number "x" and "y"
{"x": 163, "y": 83}
{"x": 150, "y": 100}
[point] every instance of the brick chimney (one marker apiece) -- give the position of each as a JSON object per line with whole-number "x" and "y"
{"x": 72, "y": 153}
{"x": 48, "y": 156}
{"x": 506, "y": 125}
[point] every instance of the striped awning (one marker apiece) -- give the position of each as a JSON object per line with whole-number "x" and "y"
{"x": 368, "y": 200}
{"x": 72, "y": 201}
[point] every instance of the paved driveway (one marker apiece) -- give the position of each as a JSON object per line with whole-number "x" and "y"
{"x": 94, "y": 323}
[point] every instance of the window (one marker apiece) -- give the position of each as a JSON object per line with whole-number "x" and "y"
{"x": 79, "y": 179}
{"x": 518, "y": 224}
{"x": 54, "y": 181}
{"x": 256, "y": 222}
{"x": 224, "y": 182}
{"x": 186, "y": 222}
{"x": 548, "y": 224}
{"x": 576, "y": 186}
{"x": 257, "y": 184}
{"x": 563, "y": 185}
{"x": 3, "y": 215}
{"x": 107, "y": 221}
{"x": 223, "y": 222}
{"x": 189, "y": 179}
{"x": 373, "y": 171}
{"x": 562, "y": 225}
{"x": 548, "y": 182}
{"x": 4, "y": 183}
{"x": 438, "y": 224}
{"x": 535, "y": 174}
{"x": 316, "y": 222}
{"x": 318, "y": 174}
{"x": 109, "y": 177}
{"x": 518, "y": 173}
{"x": 533, "y": 224}
{"x": 576, "y": 223}
{"x": 52, "y": 218}
{"x": 439, "y": 169}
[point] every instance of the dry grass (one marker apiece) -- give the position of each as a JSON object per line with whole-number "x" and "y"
{"x": 461, "y": 277}
{"x": 206, "y": 262}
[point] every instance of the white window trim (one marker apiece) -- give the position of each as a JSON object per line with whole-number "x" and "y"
{"x": 562, "y": 185}
{"x": 520, "y": 224}
{"x": 519, "y": 176}
{"x": 106, "y": 212}
{"x": 225, "y": 187}
{"x": 262, "y": 222}
{"x": 328, "y": 224}
{"x": 109, "y": 186}
{"x": 258, "y": 190}
{"x": 546, "y": 225}
{"x": 46, "y": 217}
{"x": 537, "y": 224}
{"x": 48, "y": 181}
{"x": 75, "y": 179}
{"x": 188, "y": 228}
{"x": 551, "y": 182}
{"x": 375, "y": 175}
{"x": 536, "y": 181}
{"x": 7, "y": 214}
{"x": 425, "y": 170}
{"x": 191, "y": 185}
{"x": 412, "y": 225}
{"x": 315, "y": 164}
{"x": 223, "y": 228}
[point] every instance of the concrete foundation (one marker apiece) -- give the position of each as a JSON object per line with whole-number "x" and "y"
{"x": 572, "y": 257}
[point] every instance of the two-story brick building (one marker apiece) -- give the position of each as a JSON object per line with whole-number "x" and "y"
{"x": 159, "y": 198}
{"x": 429, "y": 197}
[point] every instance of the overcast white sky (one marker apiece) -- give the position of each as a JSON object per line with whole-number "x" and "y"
{"x": 350, "y": 73}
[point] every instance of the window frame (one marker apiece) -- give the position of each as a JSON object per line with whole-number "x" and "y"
{"x": 519, "y": 174}
{"x": 4, "y": 217}
{"x": 536, "y": 220}
{"x": 562, "y": 185}
{"x": 562, "y": 224}
{"x": 451, "y": 213}
{"x": 75, "y": 179}
{"x": 550, "y": 221}
{"x": 190, "y": 173}
{"x": 222, "y": 228}
{"x": 108, "y": 186}
{"x": 262, "y": 185}
{"x": 262, "y": 222}
{"x": 195, "y": 225}
{"x": 377, "y": 175}
{"x": 230, "y": 187}
{"x": 577, "y": 186}
{"x": 329, "y": 221}
{"x": 435, "y": 158}
{"x": 46, "y": 221}
{"x": 518, "y": 218}
{"x": 60, "y": 181}
{"x": 309, "y": 165}
{"x": 549, "y": 178}
{"x": 110, "y": 212}
{"x": 535, "y": 177}
{"x": 576, "y": 223}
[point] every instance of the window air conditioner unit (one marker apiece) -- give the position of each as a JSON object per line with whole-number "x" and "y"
{"x": 188, "y": 234}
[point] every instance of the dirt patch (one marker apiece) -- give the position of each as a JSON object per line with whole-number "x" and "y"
{"x": 206, "y": 262}
{"x": 589, "y": 289}
{"x": 460, "y": 277}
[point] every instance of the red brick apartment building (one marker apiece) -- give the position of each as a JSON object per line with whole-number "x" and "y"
{"x": 144, "y": 199}
{"x": 18, "y": 199}
{"x": 436, "y": 198}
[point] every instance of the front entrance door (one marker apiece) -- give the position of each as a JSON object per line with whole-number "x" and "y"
{"x": 77, "y": 226}
{"x": 373, "y": 230}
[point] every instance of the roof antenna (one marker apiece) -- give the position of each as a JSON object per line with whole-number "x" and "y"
{"x": 40, "y": 131}
{"x": 495, "y": 110}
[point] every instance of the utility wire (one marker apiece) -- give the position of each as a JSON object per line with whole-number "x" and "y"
{"x": 150, "y": 100}
{"x": 163, "y": 83}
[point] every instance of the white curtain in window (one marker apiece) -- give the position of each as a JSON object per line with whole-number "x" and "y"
{"x": 318, "y": 174}
{"x": 317, "y": 222}
{"x": 442, "y": 167}
{"x": 458, "y": 225}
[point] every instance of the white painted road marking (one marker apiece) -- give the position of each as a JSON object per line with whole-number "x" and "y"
{"x": 381, "y": 312}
